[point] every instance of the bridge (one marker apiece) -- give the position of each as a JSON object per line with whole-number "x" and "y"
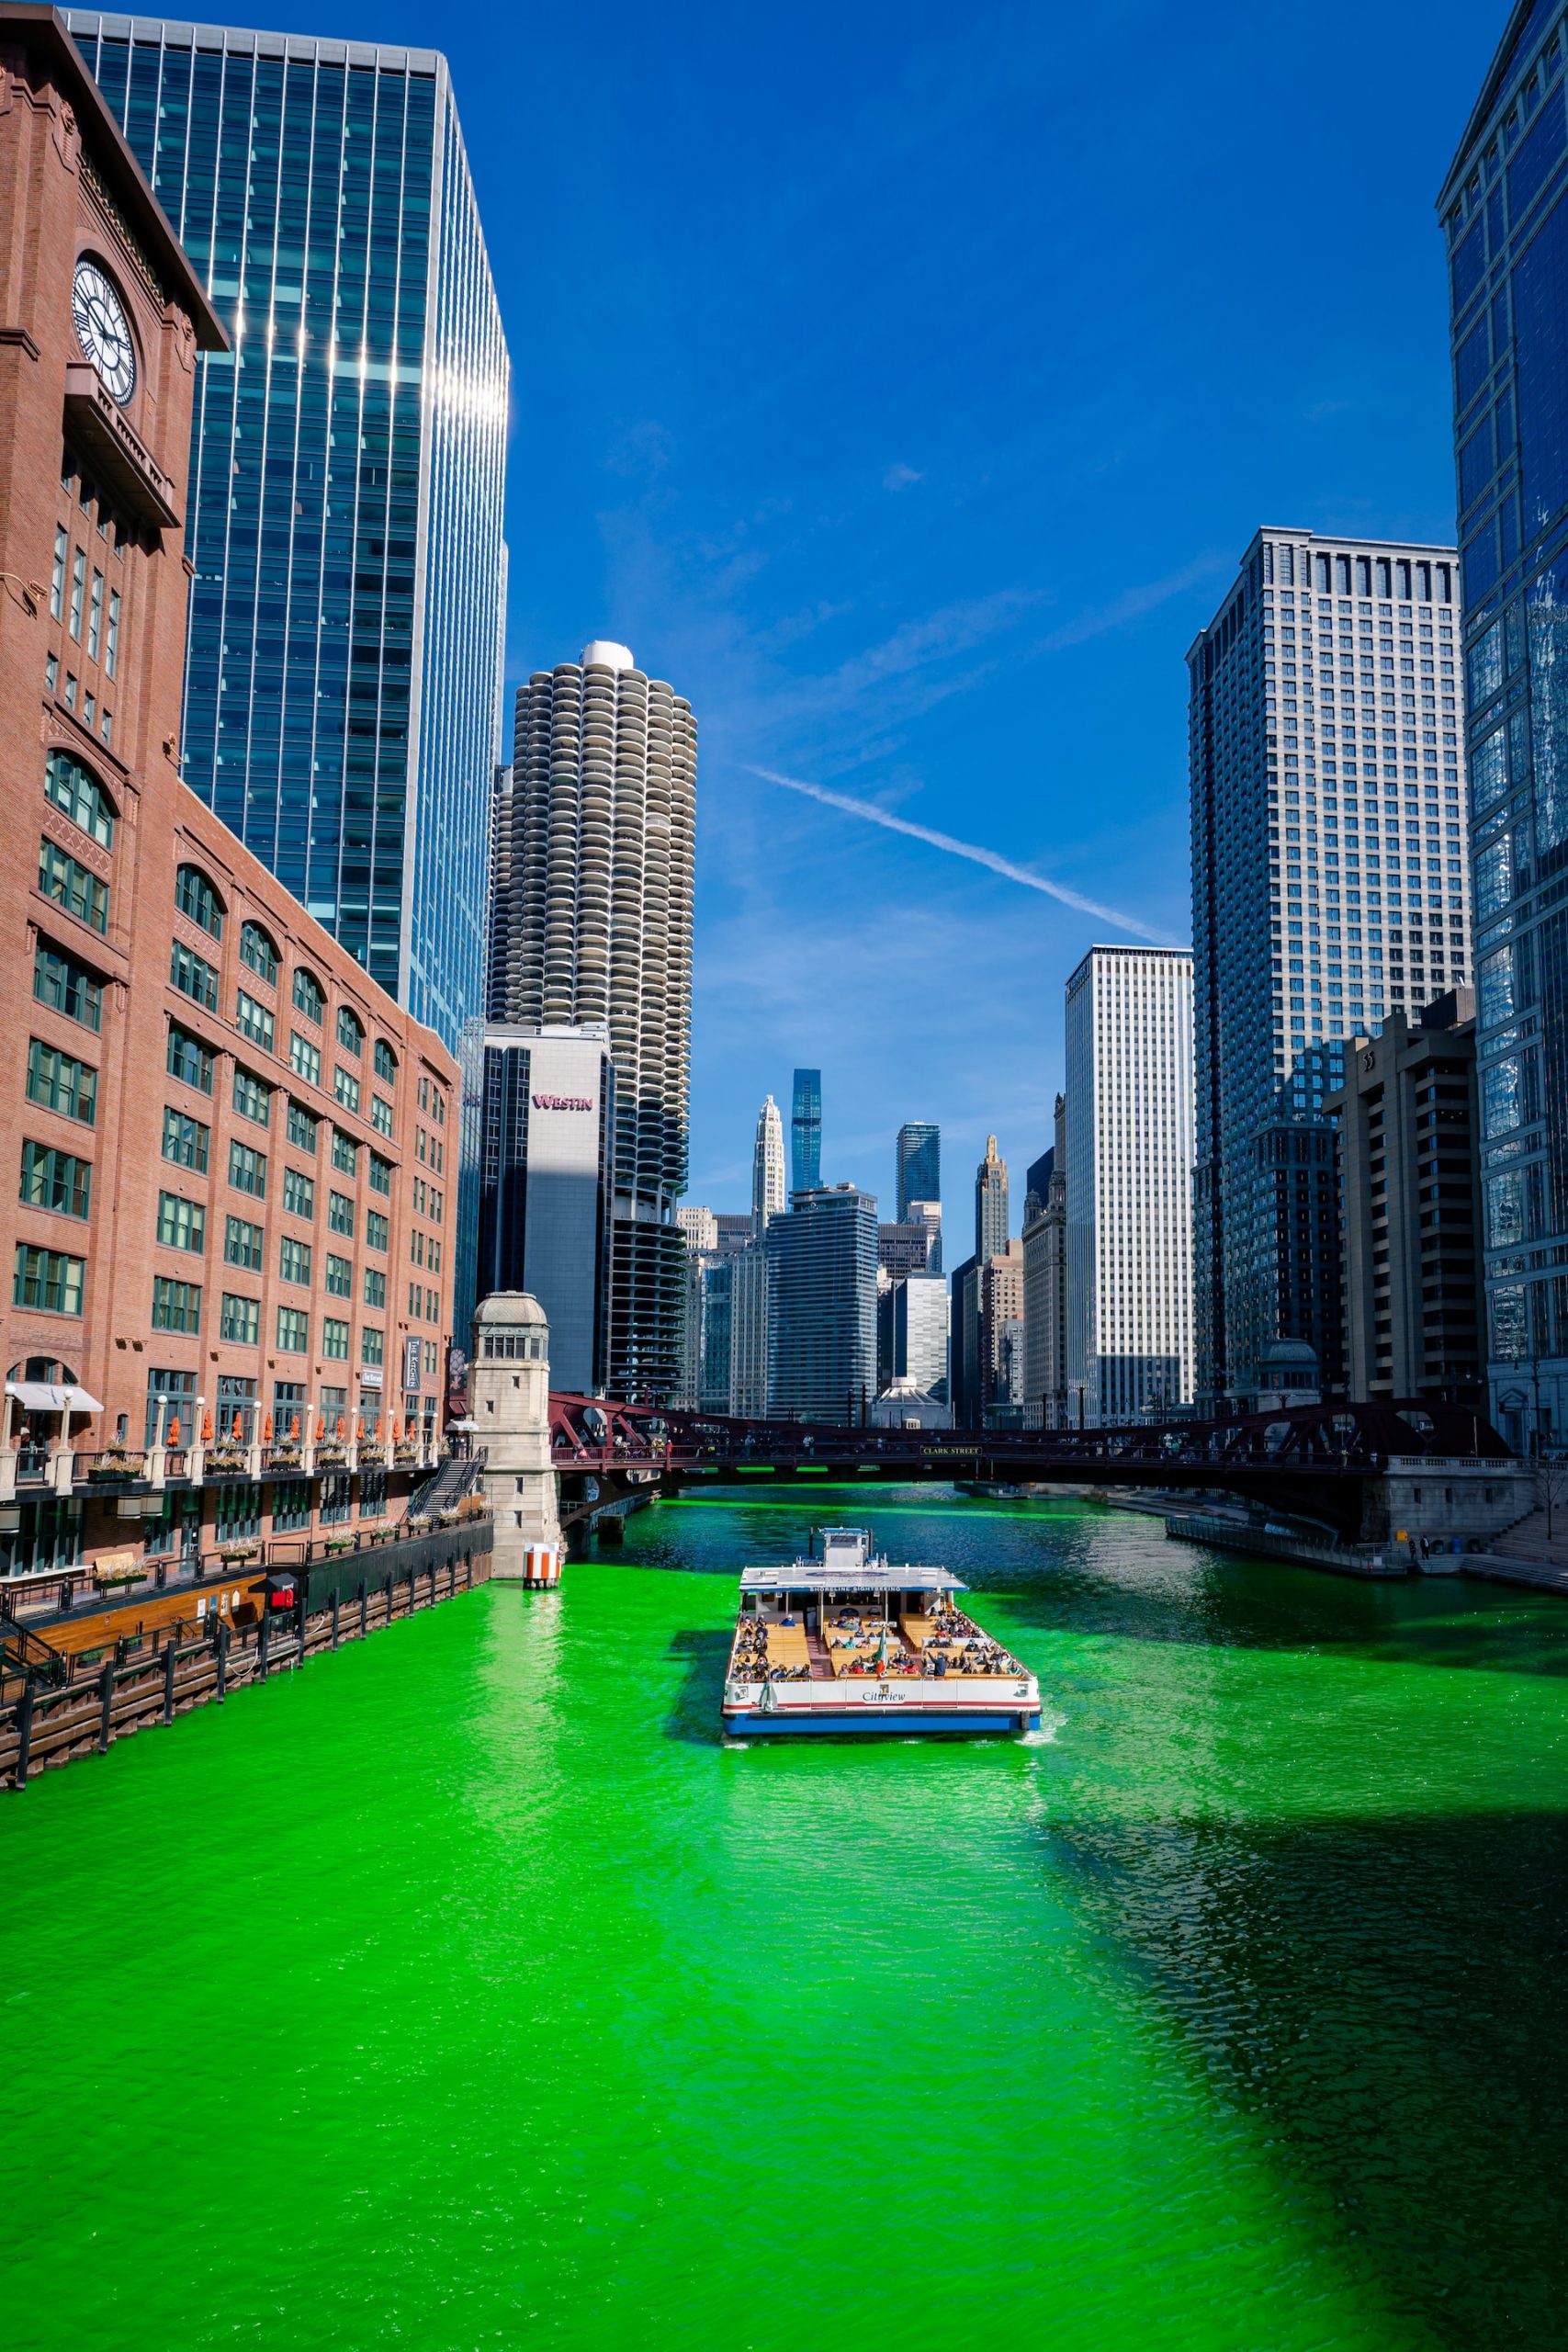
{"x": 1327, "y": 1463}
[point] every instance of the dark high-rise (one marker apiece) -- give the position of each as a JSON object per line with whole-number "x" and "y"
{"x": 1504, "y": 213}
{"x": 821, "y": 1260}
{"x": 919, "y": 1164}
{"x": 806, "y": 1132}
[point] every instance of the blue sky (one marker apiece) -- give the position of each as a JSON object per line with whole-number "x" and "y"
{"x": 903, "y": 383}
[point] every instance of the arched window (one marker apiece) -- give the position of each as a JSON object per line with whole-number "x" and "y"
{"x": 194, "y": 895}
{"x": 257, "y": 950}
{"x": 310, "y": 996}
{"x": 386, "y": 1062}
{"x": 68, "y": 784}
{"x": 350, "y": 1030}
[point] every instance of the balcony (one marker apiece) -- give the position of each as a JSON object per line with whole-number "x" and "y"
{"x": 53, "y": 1468}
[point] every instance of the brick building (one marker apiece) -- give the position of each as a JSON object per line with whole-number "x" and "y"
{"x": 232, "y": 1156}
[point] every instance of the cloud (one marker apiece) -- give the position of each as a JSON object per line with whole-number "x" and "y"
{"x": 976, "y": 855}
{"x": 900, "y": 478}
{"x": 1099, "y": 621}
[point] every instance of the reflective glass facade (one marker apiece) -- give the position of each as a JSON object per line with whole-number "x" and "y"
{"x": 343, "y": 692}
{"x": 919, "y": 1164}
{"x": 1330, "y": 886}
{"x": 1504, "y": 213}
{"x": 806, "y": 1132}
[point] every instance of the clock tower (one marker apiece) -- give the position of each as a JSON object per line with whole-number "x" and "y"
{"x": 101, "y": 320}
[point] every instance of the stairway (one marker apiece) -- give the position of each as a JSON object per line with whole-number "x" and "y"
{"x": 25, "y": 1656}
{"x": 457, "y": 1475}
{"x": 1528, "y": 1539}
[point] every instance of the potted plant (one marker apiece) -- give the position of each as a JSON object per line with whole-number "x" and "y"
{"x": 340, "y": 1542}
{"x": 330, "y": 1454}
{"x": 416, "y": 1524}
{"x": 116, "y": 1461}
{"x": 234, "y": 1555}
{"x": 287, "y": 1456}
{"x": 225, "y": 1457}
{"x": 109, "y": 1579}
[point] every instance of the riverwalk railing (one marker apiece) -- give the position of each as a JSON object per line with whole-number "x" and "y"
{"x": 141, "y": 1674}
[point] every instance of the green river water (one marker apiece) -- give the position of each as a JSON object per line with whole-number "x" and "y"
{"x": 467, "y": 1990}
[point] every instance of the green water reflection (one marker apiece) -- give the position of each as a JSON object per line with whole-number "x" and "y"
{"x": 467, "y": 1990}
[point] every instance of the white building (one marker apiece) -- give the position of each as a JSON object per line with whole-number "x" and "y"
{"x": 1129, "y": 1192}
{"x": 547, "y": 1175}
{"x": 1330, "y": 887}
{"x": 918, "y": 1351}
{"x": 767, "y": 1167}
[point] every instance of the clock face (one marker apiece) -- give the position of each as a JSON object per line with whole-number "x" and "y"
{"x": 102, "y": 329}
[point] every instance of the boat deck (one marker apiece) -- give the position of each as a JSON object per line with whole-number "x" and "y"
{"x": 922, "y": 1648}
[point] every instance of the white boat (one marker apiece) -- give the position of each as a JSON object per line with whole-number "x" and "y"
{"x": 845, "y": 1643}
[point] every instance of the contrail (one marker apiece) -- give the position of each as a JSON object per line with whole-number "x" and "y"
{"x": 977, "y": 856}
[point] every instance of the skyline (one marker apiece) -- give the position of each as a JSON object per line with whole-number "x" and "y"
{"x": 878, "y": 556}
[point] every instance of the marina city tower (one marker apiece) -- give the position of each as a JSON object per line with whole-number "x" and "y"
{"x": 595, "y": 847}
{"x": 343, "y": 660}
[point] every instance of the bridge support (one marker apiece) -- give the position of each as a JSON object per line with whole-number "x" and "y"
{"x": 508, "y": 1383}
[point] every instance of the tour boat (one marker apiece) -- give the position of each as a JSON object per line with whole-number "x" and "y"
{"x": 845, "y": 1643}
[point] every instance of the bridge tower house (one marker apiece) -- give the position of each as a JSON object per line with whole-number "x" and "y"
{"x": 509, "y": 1390}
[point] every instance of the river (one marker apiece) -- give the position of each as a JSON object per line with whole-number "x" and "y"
{"x": 465, "y": 1990}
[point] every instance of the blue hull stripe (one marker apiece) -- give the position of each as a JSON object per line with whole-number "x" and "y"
{"x": 894, "y": 1723}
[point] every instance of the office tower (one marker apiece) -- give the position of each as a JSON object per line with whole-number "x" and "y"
{"x": 929, "y": 1213}
{"x": 1506, "y": 228}
{"x": 822, "y": 1305}
{"x": 701, "y": 1228}
{"x": 905, "y": 1249}
{"x": 1296, "y": 1195}
{"x": 1408, "y": 1136}
{"x": 806, "y": 1132}
{"x": 715, "y": 1310}
{"x": 547, "y": 1182}
{"x": 914, "y": 1310}
{"x": 964, "y": 1345}
{"x": 228, "y": 1147}
{"x": 592, "y": 921}
{"x": 919, "y": 1155}
{"x": 749, "y": 1330}
{"x": 343, "y": 665}
{"x": 1046, "y": 1285}
{"x": 1129, "y": 1195}
{"x": 1329, "y": 870}
{"x": 734, "y": 1232}
{"x": 1001, "y": 1306}
{"x": 767, "y": 1167}
{"x": 990, "y": 1203}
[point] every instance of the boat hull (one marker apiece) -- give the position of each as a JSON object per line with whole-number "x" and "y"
{"x": 902, "y": 1708}
{"x": 851, "y": 1723}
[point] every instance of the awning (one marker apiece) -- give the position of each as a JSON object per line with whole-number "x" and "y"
{"x": 462, "y": 1425}
{"x": 44, "y": 1397}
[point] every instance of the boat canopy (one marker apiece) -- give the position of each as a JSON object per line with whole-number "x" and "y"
{"x": 867, "y": 1575}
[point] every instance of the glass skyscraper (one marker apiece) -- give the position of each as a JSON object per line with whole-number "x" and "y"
{"x": 343, "y": 689}
{"x": 1504, "y": 213}
{"x": 806, "y": 1132}
{"x": 919, "y": 1164}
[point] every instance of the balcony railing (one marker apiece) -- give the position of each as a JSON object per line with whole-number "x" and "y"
{"x": 113, "y": 1469}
